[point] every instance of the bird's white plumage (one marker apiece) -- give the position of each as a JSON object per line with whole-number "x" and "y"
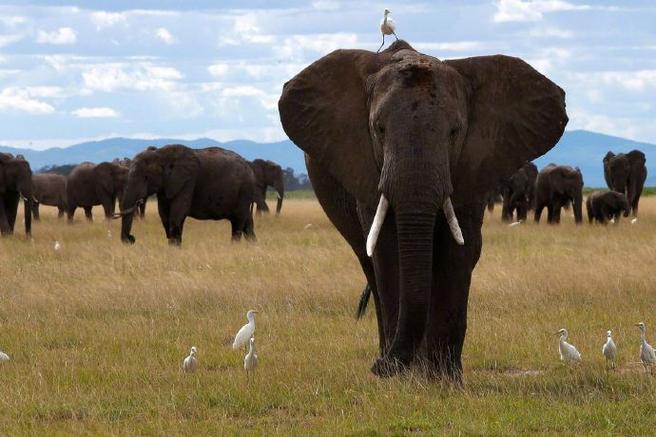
{"x": 609, "y": 349}
{"x": 647, "y": 354}
{"x": 3, "y": 357}
{"x": 568, "y": 353}
{"x": 387, "y": 26}
{"x": 634, "y": 220}
{"x": 246, "y": 331}
{"x": 513, "y": 224}
{"x": 57, "y": 246}
{"x": 250, "y": 360}
{"x": 190, "y": 364}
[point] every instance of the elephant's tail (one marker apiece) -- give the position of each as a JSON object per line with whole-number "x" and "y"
{"x": 364, "y": 301}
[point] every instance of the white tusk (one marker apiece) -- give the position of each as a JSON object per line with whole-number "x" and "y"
{"x": 453, "y": 221}
{"x": 379, "y": 218}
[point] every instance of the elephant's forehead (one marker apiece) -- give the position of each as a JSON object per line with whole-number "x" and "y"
{"x": 412, "y": 57}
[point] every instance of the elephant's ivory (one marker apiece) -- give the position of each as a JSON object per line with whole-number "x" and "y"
{"x": 379, "y": 218}
{"x": 453, "y": 221}
{"x": 129, "y": 210}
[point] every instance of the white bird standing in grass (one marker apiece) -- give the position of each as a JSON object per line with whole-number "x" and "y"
{"x": 609, "y": 350}
{"x": 387, "y": 27}
{"x": 246, "y": 331}
{"x": 57, "y": 246}
{"x": 647, "y": 354}
{"x": 3, "y": 357}
{"x": 250, "y": 360}
{"x": 513, "y": 224}
{"x": 568, "y": 353}
{"x": 634, "y": 220}
{"x": 190, "y": 363}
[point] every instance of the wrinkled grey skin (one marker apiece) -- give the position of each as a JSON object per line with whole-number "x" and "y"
{"x": 626, "y": 173}
{"x": 50, "y": 190}
{"x": 267, "y": 174}
{"x": 92, "y": 184}
{"x": 555, "y": 186}
{"x": 15, "y": 182}
{"x": 205, "y": 184}
{"x": 603, "y": 206}
{"x": 417, "y": 130}
{"x": 126, "y": 162}
{"x": 518, "y": 193}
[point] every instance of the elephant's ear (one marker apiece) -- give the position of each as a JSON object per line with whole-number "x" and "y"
{"x": 515, "y": 115}
{"x": 324, "y": 111}
{"x": 178, "y": 173}
{"x": 104, "y": 177}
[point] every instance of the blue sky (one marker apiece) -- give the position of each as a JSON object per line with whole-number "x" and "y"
{"x": 79, "y": 70}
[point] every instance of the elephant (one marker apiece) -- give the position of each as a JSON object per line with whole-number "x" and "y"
{"x": 607, "y": 205}
{"x": 554, "y": 187}
{"x": 493, "y": 197}
{"x": 401, "y": 148}
{"x": 49, "y": 189}
{"x": 15, "y": 181}
{"x": 626, "y": 173}
{"x": 126, "y": 162}
{"x": 518, "y": 193}
{"x": 267, "y": 174}
{"x": 205, "y": 184}
{"x": 91, "y": 184}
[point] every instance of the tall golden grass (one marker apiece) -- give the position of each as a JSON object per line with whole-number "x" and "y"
{"x": 97, "y": 332}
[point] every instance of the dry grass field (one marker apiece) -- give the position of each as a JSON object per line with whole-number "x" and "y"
{"x": 97, "y": 332}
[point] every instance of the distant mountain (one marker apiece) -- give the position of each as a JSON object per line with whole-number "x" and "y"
{"x": 577, "y": 148}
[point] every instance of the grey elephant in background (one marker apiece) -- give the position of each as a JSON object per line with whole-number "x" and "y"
{"x": 626, "y": 173}
{"x": 15, "y": 182}
{"x": 518, "y": 193}
{"x": 50, "y": 190}
{"x": 267, "y": 174}
{"x": 92, "y": 184}
{"x": 603, "y": 206}
{"x": 554, "y": 187}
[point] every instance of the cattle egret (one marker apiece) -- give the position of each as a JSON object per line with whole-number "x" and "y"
{"x": 246, "y": 331}
{"x": 190, "y": 363}
{"x": 250, "y": 360}
{"x": 57, "y": 246}
{"x": 647, "y": 354}
{"x": 609, "y": 350}
{"x": 3, "y": 357}
{"x": 387, "y": 27}
{"x": 568, "y": 353}
{"x": 109, "y": 234}
{"x": 634, "y": 220}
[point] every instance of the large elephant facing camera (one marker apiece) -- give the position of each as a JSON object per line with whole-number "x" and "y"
{"x": 267, "y": 174}
{"x": 401, "y": 148}
{"x": 91, "y": 184}
{"x": 555, "y": 187}
{"x": 15, "y": 182}
{"x": 205, "y": 184}
{"x": 626, "y": 173}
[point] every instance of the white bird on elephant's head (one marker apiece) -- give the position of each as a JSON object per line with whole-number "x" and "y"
{"x": 246, "y": 331}
{"x": 387, "y": 27}
{"x": 647, "y": 354}
{"x": 190, "y": 363}
{"x": 609, "y": 349}
{"x": 568, "y": 353}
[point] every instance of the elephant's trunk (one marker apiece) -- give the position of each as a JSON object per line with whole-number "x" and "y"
{"x": 280, "y": 189}
{"x": 131, "y": 200}
{"x": 27, "y": 191}
{"x": 578, "y": 208}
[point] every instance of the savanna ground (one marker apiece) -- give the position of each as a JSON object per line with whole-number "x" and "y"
{"x": 97, "y": 332}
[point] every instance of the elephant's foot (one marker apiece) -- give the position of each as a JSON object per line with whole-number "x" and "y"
{"x": 128, "y": 240}
{"x": 386, "y": 367}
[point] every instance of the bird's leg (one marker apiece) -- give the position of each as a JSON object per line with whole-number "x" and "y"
{"x": 381, "y": 44}
{"x": 394, "y": 33}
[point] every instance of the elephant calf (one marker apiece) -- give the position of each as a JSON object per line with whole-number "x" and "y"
{"x": 49, "y": 189}
{"x": 605, "y": 205}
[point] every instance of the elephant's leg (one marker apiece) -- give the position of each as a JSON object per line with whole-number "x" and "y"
{"x": 538, "y": 213}
{"x": 87, "y": 213}
{"x": 163, "y": 208}
{"x": 60, "y": 212}
{"x": 4, "y": 223}
{"x": 635, "y": 202}
{"x": 522, "y": 211}
{"x": 453, "y": 266}
{"x": 179, "y": 208}
{"x": 108, "y": 207}
{"x": 263, "y": 205}
{"x": 35, "y": 211}
{"x": 238, "y": 225}
{"x": 70, "y": 213}
{"x": 556, "y": 213}
{"x": 11, "y": 205}
{"x": 249, "y": 228}
{"x": 343, "y": 212}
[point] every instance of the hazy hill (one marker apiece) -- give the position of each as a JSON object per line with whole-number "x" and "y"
{"x": 579, "y": 148}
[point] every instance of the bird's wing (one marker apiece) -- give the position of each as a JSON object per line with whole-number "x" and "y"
{"x": 240, "y": 338}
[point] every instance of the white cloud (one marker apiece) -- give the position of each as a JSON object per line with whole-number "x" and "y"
{"x": 551, "y": 32}
{"x": 218, "y": 69}
{"x": 99, "y": 112}
{"x": 144, "y": 76}
{"x": 104, "y": 19}
{"x": 12, "y": 21}
{"x": 630, "y": 80}
{"x": 322, "y": 43}
{"x": 455, "y": 46}
{"x": 245, "y": 28}
{"x": 267, "y": 100}
{"x": 20, "y": 99}
{"x": 164, "y": 35}
{"x": 6, "y": 40}
{"x": 326, "y": 5}
{"x": 61, "y": 36}
{"x": 531, "y": 10}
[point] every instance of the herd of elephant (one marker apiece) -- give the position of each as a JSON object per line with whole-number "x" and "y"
{"x": 206, "y": 184}
{"x": 557, "y": 186}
